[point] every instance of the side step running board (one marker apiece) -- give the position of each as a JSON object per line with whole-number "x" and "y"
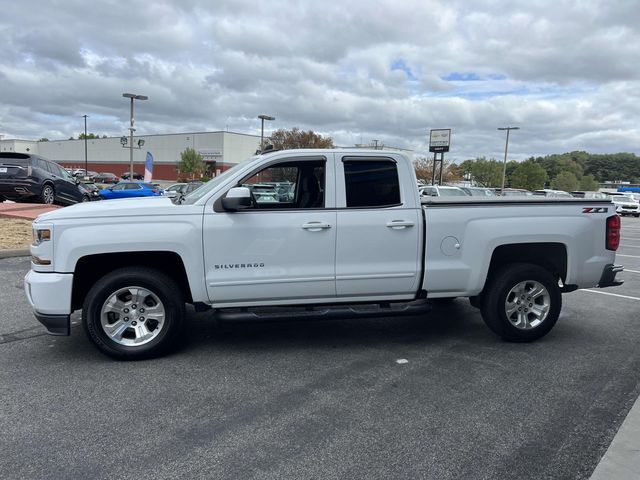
{"x": 323, "y": 312}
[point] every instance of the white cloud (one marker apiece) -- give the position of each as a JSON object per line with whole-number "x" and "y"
{"x": 565, "y": 72}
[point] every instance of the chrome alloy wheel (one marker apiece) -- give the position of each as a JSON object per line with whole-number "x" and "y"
{"x": 132, "y": 316}
{"x": 527, "y": 304}
{"x": 47, "y": 195}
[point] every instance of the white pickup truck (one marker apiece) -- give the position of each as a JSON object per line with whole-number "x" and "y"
{"x": 344, "y": 234}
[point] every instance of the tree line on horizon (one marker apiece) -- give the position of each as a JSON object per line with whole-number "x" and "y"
{"x": 577, "y": 170}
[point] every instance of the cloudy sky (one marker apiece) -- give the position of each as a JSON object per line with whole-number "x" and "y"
{"x": 566, "y": 72}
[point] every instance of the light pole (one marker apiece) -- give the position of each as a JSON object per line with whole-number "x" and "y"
{"x": 133, "y": 97}
{"x": 86, "y": 168}
{"x": 506, "y": 147}
{"x": 263, "y": 118}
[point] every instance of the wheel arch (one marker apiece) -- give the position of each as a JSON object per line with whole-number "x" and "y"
{"x": 91, "y": 268}
{"x": 552, "y": 256}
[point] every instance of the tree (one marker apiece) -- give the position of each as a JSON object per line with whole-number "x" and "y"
{"x": 44, "y": 139}
{"x": 588, "y": 183}
{"x": 566, "y": 181}
{"x": 90, "y": 136}
{"x": 424, "y": 167}
{"x": 528, "y": 175}
{"x": 283, "y": 139}
{"x": 191, "y": 163}
{"x": 487, "y": 173}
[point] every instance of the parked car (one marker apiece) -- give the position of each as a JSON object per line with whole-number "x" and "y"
{"x": 136, "y": 176}
{"x": 131, "y": 268}
{"x": 89, "y": 192}
{"x": 478, "y": 191}
{"x": 178, "y": 189}
{"x": 589, "y": 194}
{"x": 106, "y": 177}
{"x": 514, "y": 192}
{"x": 25, "y": 177}
{"x": 130, "y": 190}
{"x": 546, "y": 192}
{"x": 441, "y": 191}
{"x": 626, "y": 205}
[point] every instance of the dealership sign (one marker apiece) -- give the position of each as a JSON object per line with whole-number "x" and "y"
{"x": 439, "y": 140}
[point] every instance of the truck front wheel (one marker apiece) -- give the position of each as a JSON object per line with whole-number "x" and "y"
{"x": 134, "y": 313}
{"x": 521, "y": 302}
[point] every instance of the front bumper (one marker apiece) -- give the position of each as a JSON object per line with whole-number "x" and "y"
{"x": 55, "y": 324}
{"x": 49, "y": 294}
{"x": 608, "y": 278}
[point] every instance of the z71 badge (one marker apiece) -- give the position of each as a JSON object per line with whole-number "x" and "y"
{"x": 595, "y": 210}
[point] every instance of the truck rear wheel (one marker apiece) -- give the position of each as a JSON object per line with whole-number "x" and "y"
{"x": 134, "y": 313}
{"x": 521, "y": 302}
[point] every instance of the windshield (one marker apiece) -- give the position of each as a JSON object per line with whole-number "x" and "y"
{"x": 452, "y": 192}
{"x": 201, "y": 191}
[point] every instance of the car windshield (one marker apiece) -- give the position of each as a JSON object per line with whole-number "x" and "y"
{"x": 200, "y": 192}
{"x": 452, "y": 192}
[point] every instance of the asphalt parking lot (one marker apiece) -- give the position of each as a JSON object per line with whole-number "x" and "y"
{"x": 326, "y": 399}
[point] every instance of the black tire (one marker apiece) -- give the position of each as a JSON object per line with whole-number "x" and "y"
{"x": 494, "y": 300}
{"x": 85, "y": 198}
{"x": 156, "y": 282}
{"x": 48, "y": 195}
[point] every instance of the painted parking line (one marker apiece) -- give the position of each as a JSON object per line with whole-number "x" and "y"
{"x": 610, "y": 294}
{"x": 630, "y": 256}
{"x": 632, "y": 271}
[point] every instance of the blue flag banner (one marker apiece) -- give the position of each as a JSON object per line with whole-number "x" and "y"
{"x": 148, "y": 167}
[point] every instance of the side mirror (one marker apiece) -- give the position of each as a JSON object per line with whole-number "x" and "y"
{"x": 238, "y": 198}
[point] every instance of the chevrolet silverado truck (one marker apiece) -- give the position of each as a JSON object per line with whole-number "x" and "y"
{"x": 350, "y": 238}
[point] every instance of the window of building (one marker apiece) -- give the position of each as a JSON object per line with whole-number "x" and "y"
{"x": 371, "y": 183}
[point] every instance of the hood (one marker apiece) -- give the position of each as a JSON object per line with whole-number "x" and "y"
{"x": 125, "y": 207}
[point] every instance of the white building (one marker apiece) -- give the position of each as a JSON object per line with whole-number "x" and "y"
{"x": 220, "y": 151}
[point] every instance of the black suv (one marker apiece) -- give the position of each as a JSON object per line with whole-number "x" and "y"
{"x": 25, "y": 177}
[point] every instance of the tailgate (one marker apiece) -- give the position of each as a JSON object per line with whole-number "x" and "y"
{"x": 10, "y": 171}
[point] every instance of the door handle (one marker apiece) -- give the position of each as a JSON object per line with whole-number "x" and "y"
{"x": 316, "y": 226}
{"x": 400, "y": 224}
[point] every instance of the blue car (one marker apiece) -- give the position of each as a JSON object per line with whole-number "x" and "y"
{"x": 130, "y": 190}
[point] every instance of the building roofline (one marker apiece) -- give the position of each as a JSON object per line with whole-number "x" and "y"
{"x": 135, "y": 136}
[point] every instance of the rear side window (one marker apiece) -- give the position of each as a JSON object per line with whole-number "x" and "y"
{"x": 371, "y": 183}
{"x": 131, "y": 186}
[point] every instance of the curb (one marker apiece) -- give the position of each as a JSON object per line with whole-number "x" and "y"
{"x": 622, "y": 459}
{"x": 15, "y": 253}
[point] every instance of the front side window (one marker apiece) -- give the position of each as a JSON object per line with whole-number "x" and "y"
{"x": 289, "y": 185}
{"x": 132, "y": 186}
{"x": 371, "y": 183}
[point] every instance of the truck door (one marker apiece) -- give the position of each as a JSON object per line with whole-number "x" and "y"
{"x": 283, "y": 247}
{"x": 377, "y": 247}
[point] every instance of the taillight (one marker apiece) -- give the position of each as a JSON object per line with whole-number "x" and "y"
{"x": 613, "y": 232}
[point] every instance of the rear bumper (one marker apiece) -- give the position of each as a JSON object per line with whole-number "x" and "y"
{"x": 608, "y": 278}
{"x": 16, "y": 189}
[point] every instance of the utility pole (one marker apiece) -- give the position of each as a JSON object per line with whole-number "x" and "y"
{"x": 506, "y": 147}
{"x": 86, "y": 168}
{"x": 133, "y": 97}
{"x": 263, "y": 118}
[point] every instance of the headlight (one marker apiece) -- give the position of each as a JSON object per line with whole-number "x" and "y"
{"x": 41, "y": 235}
